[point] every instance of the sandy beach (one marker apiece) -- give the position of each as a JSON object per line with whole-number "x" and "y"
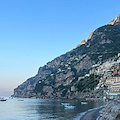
{"x": 92, "y": 115}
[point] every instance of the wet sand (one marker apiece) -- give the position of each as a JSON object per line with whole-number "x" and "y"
{"x": 91, "y": 115}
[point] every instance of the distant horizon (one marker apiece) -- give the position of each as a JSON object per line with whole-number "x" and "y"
{"x": 6, "y": 93}
{"x": 35, "y": 32}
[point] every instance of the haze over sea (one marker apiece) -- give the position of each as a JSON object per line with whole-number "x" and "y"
{"x": 42, "y": 109}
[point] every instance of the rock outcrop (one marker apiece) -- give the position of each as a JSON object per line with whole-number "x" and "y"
{"x": 90, "y": 35}
{"x": 115, "y": 21}
{"x": 110, "y": 112}
{"x": 82, "y": 43}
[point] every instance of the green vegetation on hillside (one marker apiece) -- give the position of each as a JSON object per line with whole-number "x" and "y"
{"x": 88, "y": 83}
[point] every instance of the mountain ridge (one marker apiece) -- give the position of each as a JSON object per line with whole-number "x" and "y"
{"x": 115, "y": 21}
{"x": 57, "y": 78}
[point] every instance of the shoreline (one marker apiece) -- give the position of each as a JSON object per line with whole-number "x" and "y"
{"x": 110, "y": 111}
{"x": 92, "y": 114}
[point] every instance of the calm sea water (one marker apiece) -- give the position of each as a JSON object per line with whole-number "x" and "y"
{"x": 41, "y": 109}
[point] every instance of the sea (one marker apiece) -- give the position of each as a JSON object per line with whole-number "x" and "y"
{"x": 43, "y": 109}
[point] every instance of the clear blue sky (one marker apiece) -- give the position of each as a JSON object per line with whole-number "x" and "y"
{"x": 33, "y": 32}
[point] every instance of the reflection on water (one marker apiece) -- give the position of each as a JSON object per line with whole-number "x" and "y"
{"x": 40, "y": 109}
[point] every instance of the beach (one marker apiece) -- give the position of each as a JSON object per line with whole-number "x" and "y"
{"x": 91, "y": 114}
{"x": 111, "y": 111}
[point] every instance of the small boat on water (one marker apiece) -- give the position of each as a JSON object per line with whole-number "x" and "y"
{"x": 46, "y": 100}
{"x": 20, "y": 100}
{"x": 2, "y": 99}
{"x": 84, "y": 103}
{"x": 69, "y": 107}
{"x": 65, "y": 104}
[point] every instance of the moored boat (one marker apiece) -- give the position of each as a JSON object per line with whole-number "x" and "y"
{"x": 2, "y": 99}
{"x": 83, "y": 103}
{"x": 69, "y": 107}
{"x": 65, "y": 104}
{"x": 20, "y": 100}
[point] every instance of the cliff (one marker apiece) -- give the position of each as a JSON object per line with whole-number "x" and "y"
{"x": 82, "y": 42}
{"x": 58, "y": 78}
{"x": 115, "y": 21}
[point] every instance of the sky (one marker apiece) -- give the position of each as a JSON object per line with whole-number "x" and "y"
{"x": 34, "y": 32}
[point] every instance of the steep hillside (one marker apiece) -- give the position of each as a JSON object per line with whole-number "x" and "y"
{"x": 57, "y": 78}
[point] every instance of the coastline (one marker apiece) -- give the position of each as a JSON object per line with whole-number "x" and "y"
{"x": 92, "y": 114}
{"x": 110, "y": 111}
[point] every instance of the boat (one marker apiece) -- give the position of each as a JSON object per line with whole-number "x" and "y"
{"x": 65, "y": 104}
{"x": 84, "y": 103}
{"x": 69, "y": 107}
{"x": 2, "y": 99}
{"x": 20, "y": 100}
{"x": 46, "y": 100}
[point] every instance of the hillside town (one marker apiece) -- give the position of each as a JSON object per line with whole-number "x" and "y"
{"x": 110, "y": 77}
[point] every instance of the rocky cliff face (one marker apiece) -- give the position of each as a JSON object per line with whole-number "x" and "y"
{"x": 82, "y": 43}
{"x": 26, "y": 89}
{"x": 115, "y": 21}
{"x": 57, "y": 78}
